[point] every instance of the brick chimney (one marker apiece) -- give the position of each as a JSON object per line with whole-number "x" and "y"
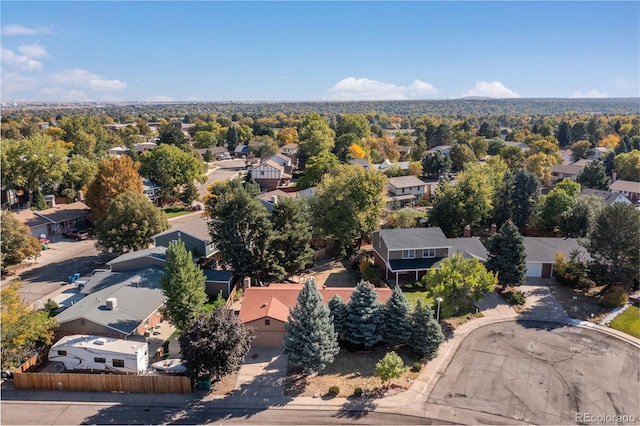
{"x": 467, "y": 232}
{"x": 614, "y": 176}
{"x": 246, "y": 283}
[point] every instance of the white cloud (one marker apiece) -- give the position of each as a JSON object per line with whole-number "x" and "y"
{"x": 494, "y": 89}
{"x": 11, "y": 30}
{"x": 83, "y": 78}
{"x": 22, "y": 62}
{"x": 160, "y": 98}
{"x": 351, "y": 89}
{"x": 13, "y": 82}
{"x": 65, "y": 95}
{"x": 35, "y": 50}
{"x": 591, "y": 94}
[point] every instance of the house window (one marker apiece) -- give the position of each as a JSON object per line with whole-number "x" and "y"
{"x": 267, "y": 322}
{"x": 99, "y": 360}
{"x": 261, "y": 173}
{"x": 429, "y": 252}
{"x": 118, "y": 363}
{"x": 83, "y": 322}
{"x": 408, "y": 254}
{"x": 62, "y": 353}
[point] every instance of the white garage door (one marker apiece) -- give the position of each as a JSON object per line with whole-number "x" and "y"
{"x": 534, "y": 270}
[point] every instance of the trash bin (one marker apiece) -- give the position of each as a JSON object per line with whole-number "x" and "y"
{"x": 203, "y": 384}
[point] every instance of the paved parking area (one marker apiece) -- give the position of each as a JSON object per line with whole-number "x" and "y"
{"x": 542, "y": 373}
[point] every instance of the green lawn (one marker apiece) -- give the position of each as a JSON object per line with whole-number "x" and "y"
{"x": 414, "y": 296}
{"x": 175, "y": 211}
{"x": 628, "y": 321}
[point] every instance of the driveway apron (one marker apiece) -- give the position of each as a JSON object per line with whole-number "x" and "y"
{"x": 263, "y": 373}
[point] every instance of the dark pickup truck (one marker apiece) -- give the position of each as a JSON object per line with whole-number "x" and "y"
{"x": 76, "y": 234}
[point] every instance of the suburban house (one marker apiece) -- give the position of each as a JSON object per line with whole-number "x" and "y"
{"x": 270, "y": 174}
{"x": 565, "y": 171}
{"x": 290, "y": 149}
{"x": 151, "y": 190}
{"x": 55, "y": 220}
{"x": 405, "y": 190}
{"x": 283, "y": 160}
{"x": 242, "y": 151}
{"x": 118, "y": 304}
{"x": 154, "y": 256}
{"x": 523, "y": 146}
{"x": 266, "y": 309}
{"x": 194, "y": 234}
{"x": 606, "y": 197}
{"x": 213, "y": 150}
{"x": 404, "y": 151}
{"x": 443, "y": 149}
{"x": 411, "y": 252}
{"x": 218, "y": 280}
{"x": 270, "y": 199}
{"x": 628, "y": 188}
{"x": 541, "y": 254}
{"x": 37, "y": 224}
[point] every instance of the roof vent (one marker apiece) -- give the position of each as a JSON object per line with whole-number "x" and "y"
{"x": 111, "y": 303}
{"x": 99, "y": 342}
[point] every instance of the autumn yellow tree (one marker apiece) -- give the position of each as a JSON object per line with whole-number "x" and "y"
{"x": 115, "y": 176}
{"x": 287, "y": 135}
{"x": 23, "y": 329}
{"x": 356, "y": 151}
{"x": 609, "y": 141}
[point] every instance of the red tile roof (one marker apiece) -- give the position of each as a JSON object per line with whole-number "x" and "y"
{"x": 276, "y": 300}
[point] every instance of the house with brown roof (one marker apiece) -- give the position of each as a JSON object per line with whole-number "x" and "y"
{"x": 565, "y": 171}
{"x": 628, "y": 188}
{"x": 270, "y": 175}
{"x": 266, "y": 309}
{"x": 405, "y": 190}
{"x": 55, "y": 220}
{"x": 290, "y": 149}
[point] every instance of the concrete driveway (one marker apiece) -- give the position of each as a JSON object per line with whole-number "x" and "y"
{"x": 262, "y": 374}
{"x": 541, "y": 303}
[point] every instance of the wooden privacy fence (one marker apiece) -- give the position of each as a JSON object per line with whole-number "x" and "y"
{"x": 102, "y": 383}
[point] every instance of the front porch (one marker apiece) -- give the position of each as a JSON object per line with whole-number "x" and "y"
{"x": 409, "y": 270}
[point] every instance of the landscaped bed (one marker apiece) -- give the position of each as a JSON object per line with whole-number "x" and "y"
{"x": 580, "y": 304}
{"x": 628, "y": 321}
{"x": 351, "y": 370}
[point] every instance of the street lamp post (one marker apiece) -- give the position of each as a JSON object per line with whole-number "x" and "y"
{"x": 439, "y": 300}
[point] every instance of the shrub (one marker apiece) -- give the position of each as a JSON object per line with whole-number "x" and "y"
{"x": 334, "y": 391}
{"x": 416, "y": 367}
{"x": 513, "y": 296}
{"x": 51, "y": 305}
{"x": 369, "y": 272}
{"x": 615, "y": 296}
{"x": 357, "y": 391}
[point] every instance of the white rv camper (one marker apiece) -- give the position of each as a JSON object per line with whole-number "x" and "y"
{"x": 101, "y": 354}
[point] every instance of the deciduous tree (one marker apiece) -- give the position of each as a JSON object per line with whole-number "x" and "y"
{"x": 214, "y": 345}
{"x": 627, "y": 165}
{"x": 356, "y": 197}
{"x": 312, "y": 341}
{"x": 460, "y": 282}
{"x": 614, "y": 240}
{"x": 129, "y": 224}
{"x": 184, "y": 285}
{"x": 22, "y": 329}
{"x": 17, "y": 241}
{"x": 316, "y": 168}
{"x": 390, "y": 367}
{"x": 115, "y": 176}
{"x": 316, "y": 135}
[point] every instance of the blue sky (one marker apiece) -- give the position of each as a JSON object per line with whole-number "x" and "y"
{"x": 311, "y": 51}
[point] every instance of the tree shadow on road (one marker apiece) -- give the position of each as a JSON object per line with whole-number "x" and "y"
{"x": 356, "y": 408}
{"x": 61, "y": 270}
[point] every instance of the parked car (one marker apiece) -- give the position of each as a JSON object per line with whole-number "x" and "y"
{"x": 224, "y": 157}
{"x": 76, "y": 234}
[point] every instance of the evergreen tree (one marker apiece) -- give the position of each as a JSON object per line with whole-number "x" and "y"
{"x": 290, "y": 244}
{"x": 525, "y": 195}
{"x": 507, "y": 256}
{"x": 363, "y": 319}
{"x": 39, "y": 203}
{"x": 184, "y": 285}
{"x": 338, "y": 310}
{"x": 397, "y": 322}
{"x": 232, "y": 138}
{"x": 426, "y": 333}
{"x": 311, "y": 342}
{"x": 503, "y": 199}
{"x": 564, "y": 134}
{"x": 595, "y": 176}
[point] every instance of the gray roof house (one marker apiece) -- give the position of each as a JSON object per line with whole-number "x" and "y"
{"x": 123, "y": 304}
{"x": 218, "y": 280}
{"x": 194, "y": 234}
{"x": 541, "y": 254}
{"x": 416, "y": 250}
{"x": 605, "y": 196}
{"x": 154, "y": 256}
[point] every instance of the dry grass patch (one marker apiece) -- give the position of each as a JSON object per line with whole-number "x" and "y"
{"x": 351, "y": 370}
{"x": 580, "y": 304}
{"x": 225, "y": 386}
